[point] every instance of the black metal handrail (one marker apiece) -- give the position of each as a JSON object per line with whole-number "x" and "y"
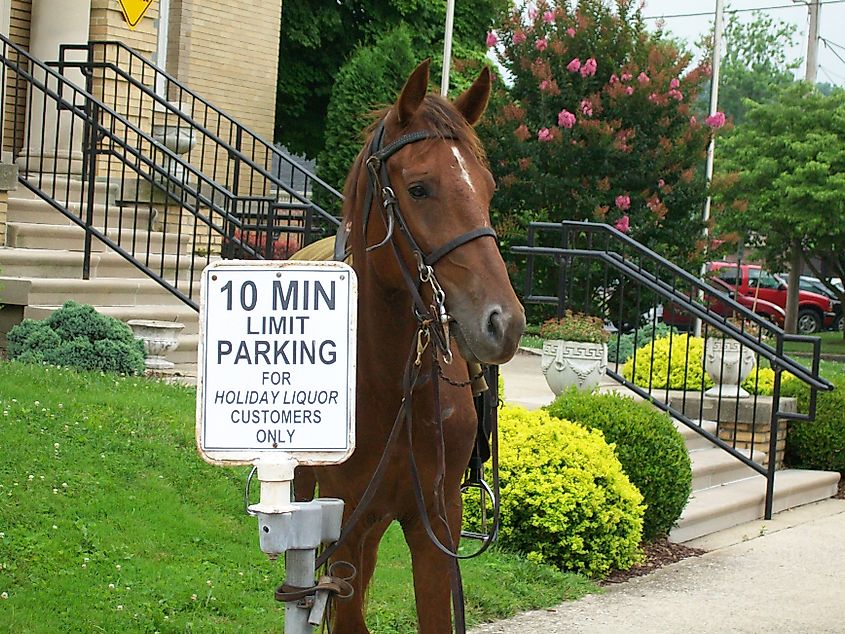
{"x": 601, "y": 270}
{"x": 194, "y": 111}
{"x": 191, "y": 207}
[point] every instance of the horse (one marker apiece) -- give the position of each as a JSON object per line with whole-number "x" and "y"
{"x": 416, "y": 218}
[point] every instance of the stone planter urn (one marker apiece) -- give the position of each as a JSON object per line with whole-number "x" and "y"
{"x": 568, "y": 363}
{"x": 159, "y": 337}
{"x": 728, "y": 363}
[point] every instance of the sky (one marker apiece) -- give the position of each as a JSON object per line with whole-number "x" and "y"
{"x": 831, "y": 20}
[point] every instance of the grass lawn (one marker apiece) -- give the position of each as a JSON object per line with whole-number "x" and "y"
{"x": 110, "y": 522}
{"x": 832, "y": 343}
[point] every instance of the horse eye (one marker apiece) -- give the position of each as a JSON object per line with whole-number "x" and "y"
{"x": 417, "y": 191}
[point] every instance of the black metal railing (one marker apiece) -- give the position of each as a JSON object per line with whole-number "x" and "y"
{"x": 671, "y": 331}
{"x": 132, "y": 191}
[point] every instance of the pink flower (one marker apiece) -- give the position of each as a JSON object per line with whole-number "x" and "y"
{"x": 653, "y": 97}
{"x": 544, "y": 85}
{"x": 519, "y": 37}
{"x": 587, "y": 107}
{"x": 715, "y": 120}
{"x": 574, "y": 66}
{"x": 693, "y": 120}
{"x": 541, "y": 44}
{"x": 544, "y": 135}
{"x": 623, "y": 202}
{"x": 643, "y": 78}
{"x": 661, "y": 183}
{"x": 491, "y": 39}
{"x": 570, "y": 32}
{"x": 629, "y": 90}
{"x": 624, "y": 223}
{"x": 589, "y": 68}
{"x": 549, "y": 17}
{"x": 676, "y": 94}
{"x": 626, "y": 77}
{"x": 613, "y": 78}
{"x": 532, "y": 13}
{"x": 565, "y": 119}
{"x": 674, "y": 83}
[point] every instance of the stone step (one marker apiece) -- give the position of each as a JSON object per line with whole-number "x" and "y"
{"x": 721, "y": 507}
{"x": 714, "y": 467}
{"x": 72, "y": 237}
{"x": 64, "y": 189}
{"x": 19, "y": 262}
{"x": 692, "y": 439}
{"x": 39, "y": 211}
{"x": 97, "y": 292}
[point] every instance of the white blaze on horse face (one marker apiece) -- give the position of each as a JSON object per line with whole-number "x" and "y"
{"x": 463, "y": 167}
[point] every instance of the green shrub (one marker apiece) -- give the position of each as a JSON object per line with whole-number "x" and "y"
{"x": 650, "y": 449}
{"x": 78, "y": 336}
{"x": 565, "y": 498}
{"x": 622, "y": 348}
{"x": 818, "y": 444}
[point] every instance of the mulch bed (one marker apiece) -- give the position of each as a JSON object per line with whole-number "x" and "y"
{"x": 840, "y": 492}
{"x": 658, "y": 553}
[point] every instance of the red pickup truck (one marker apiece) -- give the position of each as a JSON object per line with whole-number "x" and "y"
{"x": 815, "y": 311}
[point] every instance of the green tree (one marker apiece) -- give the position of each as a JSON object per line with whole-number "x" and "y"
{"x": 756, "y": 64}
{"x": 318, "y": 36}
{"x": 785, "y": 181}
{"x": 597, "y": 125}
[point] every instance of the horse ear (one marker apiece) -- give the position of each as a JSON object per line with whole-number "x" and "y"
{"x": 413, "y": 93}
{"x": 473, "y": 102}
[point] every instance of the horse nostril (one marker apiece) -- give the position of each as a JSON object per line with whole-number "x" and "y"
{"x": 495, "y": 327}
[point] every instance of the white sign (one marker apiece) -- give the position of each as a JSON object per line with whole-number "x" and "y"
{"x": 276, "y": 366}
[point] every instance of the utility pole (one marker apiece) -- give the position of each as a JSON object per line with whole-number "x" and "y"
{"x": 795, "y": 255}
{"x": 447, "y": 47}
{"x": 716, "y": 66}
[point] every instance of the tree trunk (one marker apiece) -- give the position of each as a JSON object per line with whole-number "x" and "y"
{"x": 794, "y": 284}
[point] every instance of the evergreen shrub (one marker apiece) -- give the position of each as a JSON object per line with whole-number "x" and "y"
{"x": 650, "y": 449}
{"x": 820, "y": 443}
{"x": 78, "y": 336}
{"x": 565, "y": 498}
{"x": 621, "y": 348}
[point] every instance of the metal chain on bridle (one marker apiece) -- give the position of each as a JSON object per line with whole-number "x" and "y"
{"x": 432, "y": 336}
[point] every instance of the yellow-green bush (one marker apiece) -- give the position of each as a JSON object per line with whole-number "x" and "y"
{"x": 687, "y": 367}
{"x": 565, "y": 498}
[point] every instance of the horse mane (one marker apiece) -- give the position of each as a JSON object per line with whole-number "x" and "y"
{"x": 440, "y": 116}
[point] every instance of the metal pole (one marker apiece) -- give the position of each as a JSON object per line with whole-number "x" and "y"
{"x": 711, "y": 147}
{"x": 447, "y": 47}
{"x": 793, "y": 282}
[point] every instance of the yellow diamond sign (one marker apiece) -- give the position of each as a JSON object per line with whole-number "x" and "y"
{"x": 134, "y": 10}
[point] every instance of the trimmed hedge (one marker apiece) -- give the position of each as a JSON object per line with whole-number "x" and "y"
{"x": 650, "y": 449}
{"x": 565, "y": 498}
{"x": 77, "y": 336}
{"x": 818, "y": 444}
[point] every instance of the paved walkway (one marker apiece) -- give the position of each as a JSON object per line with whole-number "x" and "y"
{"x": 785, "y": 575}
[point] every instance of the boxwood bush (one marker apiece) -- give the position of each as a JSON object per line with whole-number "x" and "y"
{"x": 650, "y": 449}
{"x": 818, "y": 444}
{"x": 77, "y": 336}
{"x": 565, "y": 498}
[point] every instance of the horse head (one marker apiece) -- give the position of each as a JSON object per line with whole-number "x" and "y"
{"x": 425, "y": 212}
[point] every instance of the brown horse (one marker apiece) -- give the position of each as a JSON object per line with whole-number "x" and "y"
{"x": 425, "y": 216}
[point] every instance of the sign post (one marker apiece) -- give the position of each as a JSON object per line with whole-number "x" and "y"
{"x": 276, "y": 389}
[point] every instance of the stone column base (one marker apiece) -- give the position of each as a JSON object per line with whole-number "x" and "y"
{"x": 754, "y": 439}
{"x": 8, "y": 181}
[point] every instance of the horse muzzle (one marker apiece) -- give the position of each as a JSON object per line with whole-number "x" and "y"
{"x": 491, "y": 336}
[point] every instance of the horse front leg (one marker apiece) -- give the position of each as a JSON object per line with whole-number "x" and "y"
{"x": 361, "y": 550}
{"x": 434, "y": 570}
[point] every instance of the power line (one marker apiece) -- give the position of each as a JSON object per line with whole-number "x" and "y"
{"x": 832, "y": 50}
{"x": 833, "y": 77}
{"x": 827, "y": 41}
{"x": 706, "y": 13}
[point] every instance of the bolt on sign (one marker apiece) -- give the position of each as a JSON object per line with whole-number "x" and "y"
{"x": 276, "y": 365}
{"x": 134, "y": 10}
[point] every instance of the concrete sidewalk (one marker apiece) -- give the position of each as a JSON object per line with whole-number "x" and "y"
{"x": 784, "y": 575}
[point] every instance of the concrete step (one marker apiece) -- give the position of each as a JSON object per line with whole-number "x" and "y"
{"x": 64, "y": 189}
{"x": 721, "y": 507}
{"x": 97, "y": 292}
{"x": 19, "y": 262}
{"x": 692, "y": 439}
{"x": 714, "y": 467}
{"x": 38, "y": 211}
{"x": 72, "y": 237}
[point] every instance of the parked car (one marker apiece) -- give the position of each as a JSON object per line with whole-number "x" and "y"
{"x": 765, "y": 309}
{"x": 815, "y": 285}
{"x": 815, "y": 311}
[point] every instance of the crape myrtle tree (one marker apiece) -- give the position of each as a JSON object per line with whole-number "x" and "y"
{"x": 594, "y": 121}
{"x": 783, "y": 179}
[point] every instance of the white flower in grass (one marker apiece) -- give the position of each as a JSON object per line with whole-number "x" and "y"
{"x": 4, "y": 595}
